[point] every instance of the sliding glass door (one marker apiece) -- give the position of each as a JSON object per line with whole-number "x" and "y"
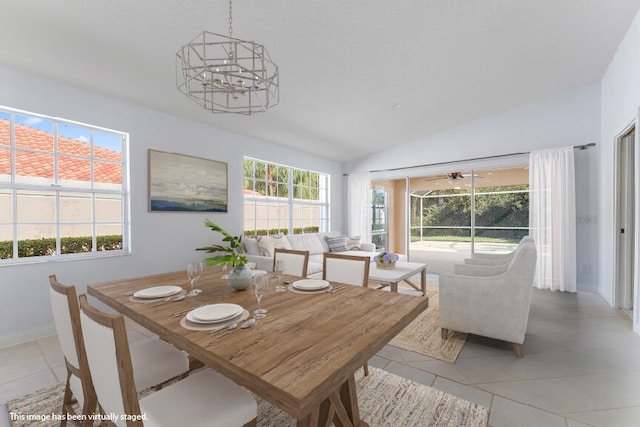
{"x": 441, "y": 219}
{"x": 455, "y": 214}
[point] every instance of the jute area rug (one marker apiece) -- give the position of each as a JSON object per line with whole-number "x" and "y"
{"x": 384, "y": 399}
{"x": 423, "y": 334}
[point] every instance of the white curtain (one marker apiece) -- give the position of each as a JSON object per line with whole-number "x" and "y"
{"x": 552, "y": 217}
{"x": 359, "y": 212}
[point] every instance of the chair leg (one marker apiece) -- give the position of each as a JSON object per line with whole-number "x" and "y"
{"x": 90, "y": 406}
{"x": 366, "y": 369}
{"x": 445, "y": 333}
{"x": 518, "y": 349}
{"x": 66, "y": 400}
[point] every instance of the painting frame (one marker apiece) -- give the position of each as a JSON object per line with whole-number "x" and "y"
{"x": 183, "y": 183}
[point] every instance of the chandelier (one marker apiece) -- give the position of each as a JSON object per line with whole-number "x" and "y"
{"x": 227, "y": 75}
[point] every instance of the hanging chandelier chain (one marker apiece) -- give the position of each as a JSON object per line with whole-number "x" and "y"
{"x": 230, "y": 20}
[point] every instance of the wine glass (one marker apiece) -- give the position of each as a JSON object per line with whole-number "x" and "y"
{"x": 280, "y": 270}
{"x": 259, "y": 286}
{"x": 194, "y": 270}
{"x": 224, "y": 272}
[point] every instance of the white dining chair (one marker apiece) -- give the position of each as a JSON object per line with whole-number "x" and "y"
{"x": 156, "y": 361}
{"x": 205, "y": 398}
{"x": 347, "y": 269}
{"x": 296, "y": 262}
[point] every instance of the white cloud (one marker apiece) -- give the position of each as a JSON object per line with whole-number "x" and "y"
{"x": 83, "y": 138}
{"x": 32, "y": 121}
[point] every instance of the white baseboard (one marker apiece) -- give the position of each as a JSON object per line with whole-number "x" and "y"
{"x": 26, "y": 336}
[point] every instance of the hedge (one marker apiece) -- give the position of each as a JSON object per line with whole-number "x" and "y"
{"x": 68, "y": 245}
{"x": 296, "y": 230}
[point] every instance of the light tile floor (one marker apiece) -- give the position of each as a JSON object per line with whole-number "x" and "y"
{"x": 581, "y": 367}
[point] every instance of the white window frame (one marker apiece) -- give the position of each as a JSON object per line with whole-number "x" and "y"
{"x": 323, "y": 202}
{"x": 57, "y": 187}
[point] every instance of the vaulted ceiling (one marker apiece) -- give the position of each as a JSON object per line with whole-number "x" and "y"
{"x": 356, "y": 76}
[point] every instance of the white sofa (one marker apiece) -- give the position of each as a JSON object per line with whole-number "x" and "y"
{"x": 260, "y": 250}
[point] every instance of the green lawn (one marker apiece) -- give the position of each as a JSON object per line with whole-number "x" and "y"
{"x": 462, "y": 239}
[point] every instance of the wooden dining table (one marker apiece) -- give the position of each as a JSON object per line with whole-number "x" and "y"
{"x": 301, "y": 357}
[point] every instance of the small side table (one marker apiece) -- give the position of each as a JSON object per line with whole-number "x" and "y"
{"x": 402, "y": 271}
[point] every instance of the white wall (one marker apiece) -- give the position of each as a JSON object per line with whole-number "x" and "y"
{"x": 161, "y": 242}
{"x": 569, "y": 118}
{"x": 620, "y": 102}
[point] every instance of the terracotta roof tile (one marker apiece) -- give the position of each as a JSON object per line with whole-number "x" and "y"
{"x": 41, "y": 165}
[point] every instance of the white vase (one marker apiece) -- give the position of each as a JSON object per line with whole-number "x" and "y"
{"x": 240, "y": 278}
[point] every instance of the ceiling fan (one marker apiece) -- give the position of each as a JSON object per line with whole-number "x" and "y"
{"x": 452, "y": 176}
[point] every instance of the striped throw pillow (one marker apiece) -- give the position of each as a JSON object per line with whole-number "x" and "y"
{"x": 336, "y": 244}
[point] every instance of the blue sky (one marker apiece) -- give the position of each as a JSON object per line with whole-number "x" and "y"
{"x": 110, "y": 141}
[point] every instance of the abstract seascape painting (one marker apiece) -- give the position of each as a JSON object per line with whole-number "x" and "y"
{"x": 179, "y": 183}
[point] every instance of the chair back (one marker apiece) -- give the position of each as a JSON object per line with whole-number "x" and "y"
{"x": 483, "y": 258}
{"x": 520, "y": 274}
{"x": 110, "y": 362}
{"x": 66, "y": 316}
{"x": 349, "y": 269}
{"x": 524, "y": 259}
{"x": 295, "y": 261}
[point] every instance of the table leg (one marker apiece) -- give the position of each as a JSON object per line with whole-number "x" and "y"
{"x": 350, "y": 401}
{"x": 394, "y": 287}
{"x": 341, "y": 408}
{"x": 327, "y": 412}
{"x": 423, "y": 282}
{"x": 311, "y": 420}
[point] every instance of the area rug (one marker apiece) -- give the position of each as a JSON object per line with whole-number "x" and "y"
{"x": 385, "y": 400}
{"x": 423, "y": 334}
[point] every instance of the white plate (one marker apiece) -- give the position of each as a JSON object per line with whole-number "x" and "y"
{"x": 215, "y": 312}
{"x": 190, "y": 318}
{"x": 158, "y": 292}
{"x": 310, "y": 284}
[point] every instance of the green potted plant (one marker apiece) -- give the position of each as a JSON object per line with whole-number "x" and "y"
{"x": 232, "y": 255}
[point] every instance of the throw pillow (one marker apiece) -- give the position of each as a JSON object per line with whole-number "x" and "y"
{"x": 250, "y": 246}
{"x": 353, "y": 243}
{"x": 336, "y": 244}
{"x": 268, "y": 243}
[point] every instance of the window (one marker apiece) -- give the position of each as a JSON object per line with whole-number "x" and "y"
{"x": 282, "y": 199}
{"x": 379, "y": 218}
{"x": 63, "y": 189}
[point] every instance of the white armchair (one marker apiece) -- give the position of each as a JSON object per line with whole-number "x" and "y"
{"x": 495, "y": 259}
{"x": 495, "y": 306}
